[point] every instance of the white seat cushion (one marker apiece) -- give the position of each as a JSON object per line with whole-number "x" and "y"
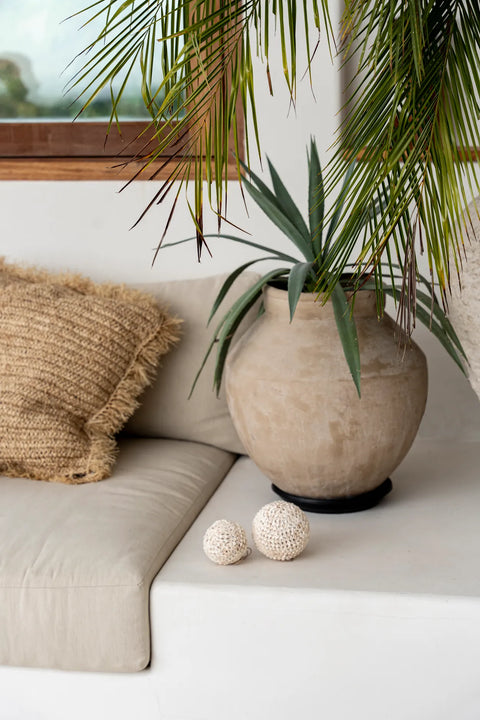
{"x": 76, "y": 562}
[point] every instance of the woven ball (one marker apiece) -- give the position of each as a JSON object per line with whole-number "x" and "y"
{"x": 281, "y": 530}
{"x": 225, "y": 542}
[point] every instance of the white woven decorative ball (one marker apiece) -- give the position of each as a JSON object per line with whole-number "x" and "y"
{"x": 281, "y": 530}
{"x": 225, "y": 542}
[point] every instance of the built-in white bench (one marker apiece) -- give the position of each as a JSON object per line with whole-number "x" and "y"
{"x": 379, "y": 619}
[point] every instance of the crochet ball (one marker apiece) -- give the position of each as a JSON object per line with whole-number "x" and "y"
{"x": 225, "y": 542}
{"x": 281, "y": 530}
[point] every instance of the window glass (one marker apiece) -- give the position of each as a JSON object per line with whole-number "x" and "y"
{"x": 37, "y": 43}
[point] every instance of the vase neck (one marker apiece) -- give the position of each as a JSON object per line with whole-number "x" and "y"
{"x": 310, "y": 305}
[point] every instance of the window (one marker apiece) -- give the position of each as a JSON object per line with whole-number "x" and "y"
{"x": 38, "y": 138}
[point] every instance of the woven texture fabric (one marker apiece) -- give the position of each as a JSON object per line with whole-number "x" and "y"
{"x": 225, "y": 542}
{"x": 74, "y": 356}
{"x": 280, "y": 530}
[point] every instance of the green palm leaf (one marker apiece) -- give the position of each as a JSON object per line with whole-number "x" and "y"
{"x": 415, "y": 106}
{"x": 412, "y": 119}
{"x": 206, "y": 53}
{"x": 438, "y": 331}
{"x": 430, "y": 314}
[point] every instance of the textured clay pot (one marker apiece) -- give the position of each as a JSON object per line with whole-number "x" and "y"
{"x": 296, "y": 409}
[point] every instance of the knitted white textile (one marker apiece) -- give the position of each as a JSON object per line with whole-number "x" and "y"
{"x": 280, "y": 530}
{"x": 225, "y": 542}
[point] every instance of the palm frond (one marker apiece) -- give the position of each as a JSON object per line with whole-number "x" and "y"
{"x": 413, "y": 121}
{"x": 205, "y": 49}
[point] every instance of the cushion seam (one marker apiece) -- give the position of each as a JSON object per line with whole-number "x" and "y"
{"x": 203, "y": 498}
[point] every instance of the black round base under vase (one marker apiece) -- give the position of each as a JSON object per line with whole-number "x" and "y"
{"x": 348, "y": 504}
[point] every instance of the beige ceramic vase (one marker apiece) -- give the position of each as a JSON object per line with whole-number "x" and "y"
{"x": 297, "y": 412}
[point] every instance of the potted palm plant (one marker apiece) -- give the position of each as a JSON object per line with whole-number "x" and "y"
{"x": 327, "y": 443}
{"x": 411, "y": 120}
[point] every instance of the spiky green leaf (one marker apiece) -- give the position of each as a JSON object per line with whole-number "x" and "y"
{"x": 230, "y": 280}
{"x": 290, "y": 209}
{"x": 316, "y": 200}
{"x": 347, "y": 332}
{"x": 296, "y": 284}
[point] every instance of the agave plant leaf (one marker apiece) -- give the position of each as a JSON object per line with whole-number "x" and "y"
{"x": 298, "y": 278}
{"x": 289, "y": 207}
{"x": 277, "y": 253}
{"x": 233, "y": 319}
{"x": 226, "y": 335}
{"x": 412, "y": 119}
{"x": 296, "y": 283}
{"x": 347, "y": 332}
{"x": 229, "y": 282}
{"x": 263, "y": 187}
{"x": 225, "y": 330}
{"x": 442, "y": 319}
{"x": 281, "y": 220}
{"x": 338, "y": 208}
{"x": 316, "y": 200}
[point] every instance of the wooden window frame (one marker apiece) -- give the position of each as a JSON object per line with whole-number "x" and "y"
{"x": 25, "y": 160}
{"x": 74, "y": 151}
{"x": 67, "y": 150}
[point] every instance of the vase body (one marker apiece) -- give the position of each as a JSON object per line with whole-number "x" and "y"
{"x": 295, "y": 407}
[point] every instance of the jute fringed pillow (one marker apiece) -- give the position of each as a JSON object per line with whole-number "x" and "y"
{"x": 74, "y": 356}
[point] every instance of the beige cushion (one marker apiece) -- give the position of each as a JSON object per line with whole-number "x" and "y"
{"x": 76, "y": 563}
{"x": 165, "y": 410}
{"x": 74, "y": 356}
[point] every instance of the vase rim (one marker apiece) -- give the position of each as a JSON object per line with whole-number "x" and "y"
{"x": 308, "y": 296}
{"x": 310, "y": 304}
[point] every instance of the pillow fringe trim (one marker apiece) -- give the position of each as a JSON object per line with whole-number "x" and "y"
{"x": 123, "y": 402}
